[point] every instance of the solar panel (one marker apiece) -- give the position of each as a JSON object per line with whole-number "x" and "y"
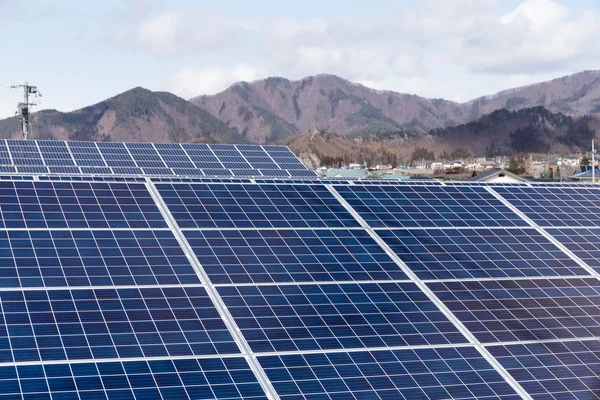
{"x": 556, "y": 206}
{"x": 584, "y": 243}
{"x": 337, "y": 316}
{"x": 83, "y": 324}
{"x": 259, "y": 256}
{"x": 436, "y": 373}
{"x": 214, "y": 378}
{"x": 42, "y": 258}
{"x": 77, "y": 205}
{"x": 428, "y": 206}
{"x": 156, "y": 158}
{"x": 554, "y": 370}
{"x": 479, "y": 253}
{"x": 515, "y": 310}
{"x": 254, "y": 206}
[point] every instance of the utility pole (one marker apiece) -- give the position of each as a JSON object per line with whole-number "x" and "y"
{"x": 593, "y": 163}
{"x": 23, "y": 109}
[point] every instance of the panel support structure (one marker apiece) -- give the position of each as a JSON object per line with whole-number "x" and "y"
{"x": 431, "y": 295}
{"x": 214, "y": 295}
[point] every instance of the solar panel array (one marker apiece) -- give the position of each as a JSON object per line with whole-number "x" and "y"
{"x": 100, "y": 158}
{"x": 171, "y": 287}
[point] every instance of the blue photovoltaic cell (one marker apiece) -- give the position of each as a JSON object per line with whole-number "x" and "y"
{"x": 254, "y": 206}
{"x": 96, "y": 170}
{"x": 110, "y": 323}
{"x": 436, "y": 373}
{"x": 64, "y": 170}
{"x": 216, "y": 172}
{"x": 32, "y": 169}
{"x": 245, "y": 172}
{"x": 479, "y": 253}
{"x": 330, "y": 316}
{"x": 584, "y": 243}
{"x": 556, "y": 206}
{"x": 258, "y": 256}
{"x": 92, "y": 258}
{"x": 205, "y": 378}
{"x": 86, "y": 154}
{"x": 77, "y": 205}
{"x": 428, "y": 206}
{"x": 514, "y": 310}
{"x": 554, "y": 371}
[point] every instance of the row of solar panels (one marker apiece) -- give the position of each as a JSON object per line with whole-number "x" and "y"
{"x": 57, "y": 157}
{"x": 317, "y": 298}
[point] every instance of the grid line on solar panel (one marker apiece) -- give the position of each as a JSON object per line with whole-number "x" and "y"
{"x": 428, "y": 206}
{"x": 556, "y": 206}
{"x": 582, "y": 242}
{"x": 522, "y": 310}
{"x": 110, "y": 323}
{"x": 458, "y": 373}
{"x": 479, "y": 253}
{"x": 276, "y": 256}
{"x": 254, "y": 206}
{"x": 77, "y": 205}
{"x": 217, "y": 378}
{"x": 59, "y": 258}
{"x": 554, "y": 370}
{"x": 332, "y": 316}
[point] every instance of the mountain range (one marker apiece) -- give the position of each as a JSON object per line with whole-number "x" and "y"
{"x": 277, "y": 109}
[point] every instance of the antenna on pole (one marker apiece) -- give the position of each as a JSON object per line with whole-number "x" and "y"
{"x": 23, "y": 109}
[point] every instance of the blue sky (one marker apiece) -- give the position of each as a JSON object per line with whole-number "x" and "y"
{"x": 79, "y": 53}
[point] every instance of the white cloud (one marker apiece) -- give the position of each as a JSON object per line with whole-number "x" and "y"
{"x": 191, "y": 82}
{"x": 439, "y": 48}
{"x": 178, "y": 33}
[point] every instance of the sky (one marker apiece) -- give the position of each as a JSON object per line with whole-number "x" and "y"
{"x": 79, "y": 52}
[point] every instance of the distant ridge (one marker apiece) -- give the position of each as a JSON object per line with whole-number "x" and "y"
{"x": 275, "y": 109}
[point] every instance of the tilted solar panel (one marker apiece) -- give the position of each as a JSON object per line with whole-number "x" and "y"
{"x": 85, "y": 324}
{"x": 554, "y": 370}
{"x": 55, "y": 258}
{"x": 275, "y": 256}
{"x": 428, "y": 206}
{"x": 556, "y": 206}
{"x": 479, "y": 253}
{"x": 226, "y": 378}
{"x": 77, "y": 205}
{"x": 337, "y": 316}
{"x": 583, "y": 242}
{"x": 436, "y": 373}
{"x": 518, "y": 310}
{"x": 254, "y": 206}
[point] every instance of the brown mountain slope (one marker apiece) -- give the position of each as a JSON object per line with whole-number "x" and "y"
{"x": 574, "y": 95}
{"x": 136, "y": 115}
{"x": 275, "y": 108}
{"x": 503, "y": 132}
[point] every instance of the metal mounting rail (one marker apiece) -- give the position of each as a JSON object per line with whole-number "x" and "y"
{"x": 432, "y": 296}
{"x": 214, "y": 295}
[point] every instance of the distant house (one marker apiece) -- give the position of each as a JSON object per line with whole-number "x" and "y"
{"x": 498, "y": 175}
{"x": 585, "y": 174}
{"x": 346, "y": 173}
